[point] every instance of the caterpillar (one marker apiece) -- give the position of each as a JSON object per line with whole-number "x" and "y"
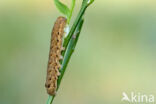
{"x": 55, "y": 55}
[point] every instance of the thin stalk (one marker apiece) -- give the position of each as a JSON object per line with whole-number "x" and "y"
{"x": 70, "y": 50}
{"x": 50, "y": 99}
{"x": 84, "y": 6}
{"x": 81, "y": 13}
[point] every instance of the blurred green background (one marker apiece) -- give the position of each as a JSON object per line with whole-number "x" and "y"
{"x": 116, "y": 52}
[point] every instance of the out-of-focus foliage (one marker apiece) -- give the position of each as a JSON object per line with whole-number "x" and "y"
{"x": 115, "y": 52}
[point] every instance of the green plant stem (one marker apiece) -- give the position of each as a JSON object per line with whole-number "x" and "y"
{"x": 70, "y": 50}
{"x": 50, "y": 99}
{"x": 81, "y": 13}
{"x": 84, "y": 6}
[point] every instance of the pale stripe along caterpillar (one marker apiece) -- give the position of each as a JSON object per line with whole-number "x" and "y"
{"x": 55, "y": 55}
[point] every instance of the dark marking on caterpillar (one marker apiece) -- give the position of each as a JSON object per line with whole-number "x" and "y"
{"x": 55, "y": 55}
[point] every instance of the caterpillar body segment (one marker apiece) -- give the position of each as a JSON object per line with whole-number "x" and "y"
{"x": 55, "y": 55}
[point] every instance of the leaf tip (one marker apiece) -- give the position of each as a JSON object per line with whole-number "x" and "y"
{"x": 90, "y": 2}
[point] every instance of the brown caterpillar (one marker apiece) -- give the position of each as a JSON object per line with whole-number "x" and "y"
{"x": 55, "y": 55}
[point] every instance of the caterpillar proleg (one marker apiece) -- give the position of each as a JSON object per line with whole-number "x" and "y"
{"x": 55, "y": 55}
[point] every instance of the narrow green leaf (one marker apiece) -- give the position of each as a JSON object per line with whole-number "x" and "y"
{"x": 71, "y": 10}
{"x": 87, "y": 2}
{"x": 69, "y": 50}
{"x": 62, "y": 8}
